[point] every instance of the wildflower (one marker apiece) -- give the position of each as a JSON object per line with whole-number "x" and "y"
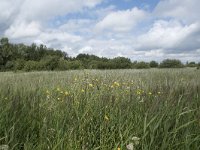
{"x": 58, "y": 98}
{"x": 75, "y": 79}
{"x": 90, "y": 85}
{"x": 4, "y": 147}
{"x": 82, "y": 90}
{"x": 130, "y": 146}
{"x": 58, "y": 89}
{"x": 47, "y": 92}
{"x": 141, "y": 101}
{"x": 106, "y": 117}
{"x": 118, "y": 148}
{"x": 116, "y": 84}
{"x": 138, "y": 92}
{"x": 150, "y": 93}
{"x": 136, "y": 140}
{"x": 159, "y": 93}
{"x": 66, "y": 93}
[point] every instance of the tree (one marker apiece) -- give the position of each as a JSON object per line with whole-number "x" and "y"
{"x": 121, "y": 63}
{"x": 191, "y": 64}
{"x": 5, "y": 51}
{"x": 49, "y": 63}
{"x": 142, "y": 65}
{"x": 171, "y": 63}
{"x": 198, "y": 65}
{"x": 153, "y": 64}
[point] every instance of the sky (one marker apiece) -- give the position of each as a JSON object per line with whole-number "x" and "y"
{"x": 138, "y": 29}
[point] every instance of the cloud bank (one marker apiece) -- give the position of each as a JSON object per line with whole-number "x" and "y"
{"x": 171, "y": 29}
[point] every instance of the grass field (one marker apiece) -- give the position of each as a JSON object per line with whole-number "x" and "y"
{"x": 156, "y": 109}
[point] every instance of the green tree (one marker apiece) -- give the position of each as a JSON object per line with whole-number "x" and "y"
{"x": 49, "y": 63}
{"x": 6, "y": 52}
{"x": 121, "y": 63}
{"x": 171, "y": 63}
{"x": 153, "y": 64}
{"x": 142, "y": 65}
{"x": 191, "y": 64}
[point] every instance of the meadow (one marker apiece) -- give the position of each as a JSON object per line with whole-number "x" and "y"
{"x": 153, "y": 109}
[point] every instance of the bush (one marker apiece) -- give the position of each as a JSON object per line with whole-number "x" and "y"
{"x": 192, "y": 64}
{"x": 31, "y": 65}
{"x": 142, "y": 65}
{"x": 75, "y": 65}
{"x": 9, "y": 65}
{"x": 19, "y": 64}
{"x": 153, "y": 64}
{"x": 171, "y": 63}
{"x": 49, "y": 63}
{"x": 63, "y": 65}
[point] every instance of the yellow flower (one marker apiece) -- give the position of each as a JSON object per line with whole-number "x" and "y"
{"x": 138, "y": 92}
{"x": 106, "y": 117}
{"x": 58, "y": 98}
{"x": 82, "y": 90}
{"x": 58, "y": 89}
{"x": 150, "y": 93}
{"x": 47, "y": 92}
{"x": 66, "y": 93}
{"x": 118, "y": 148}
{"x": 116, "y": 84}
{"x": 90, "y": 85}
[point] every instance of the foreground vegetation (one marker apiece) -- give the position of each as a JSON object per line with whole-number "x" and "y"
{"x": 90, "y": 109}
{"x": 15, "y": 57}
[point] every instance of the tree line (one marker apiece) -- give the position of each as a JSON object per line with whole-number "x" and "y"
{"x": 14, "y": 57}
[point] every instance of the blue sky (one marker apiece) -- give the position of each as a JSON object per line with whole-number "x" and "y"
{"x": 137, "y": 29}
{"x": 127, "y": 4}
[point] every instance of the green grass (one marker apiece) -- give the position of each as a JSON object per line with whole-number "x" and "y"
{"x": 100, "y": 110}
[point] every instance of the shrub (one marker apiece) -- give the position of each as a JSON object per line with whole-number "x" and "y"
{"x": 31, "y": 65}
{"x": 142, "y": 65}
{"x": 19, "y": 64}
{"x": 171, "y": 63}
{"x": 153, "y": 64}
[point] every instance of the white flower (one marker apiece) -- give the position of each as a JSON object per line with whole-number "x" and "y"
{"x": 130, "y": 146}
{"x": 136, "y": 140}
{"x": 4, "y": 147}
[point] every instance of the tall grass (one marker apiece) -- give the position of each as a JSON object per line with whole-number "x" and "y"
{"x": 91, "y": 110}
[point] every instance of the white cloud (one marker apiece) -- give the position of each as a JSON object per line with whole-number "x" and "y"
{"x": 23, "y": 29}
{"x": 168, "y": 35}
{"x": 121, "y": 21}
{"x": 185, "y": 10}
{"x": 46, "y": 9}
{"x": 106, "y": 30}
{"x": 28, "y": 11}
